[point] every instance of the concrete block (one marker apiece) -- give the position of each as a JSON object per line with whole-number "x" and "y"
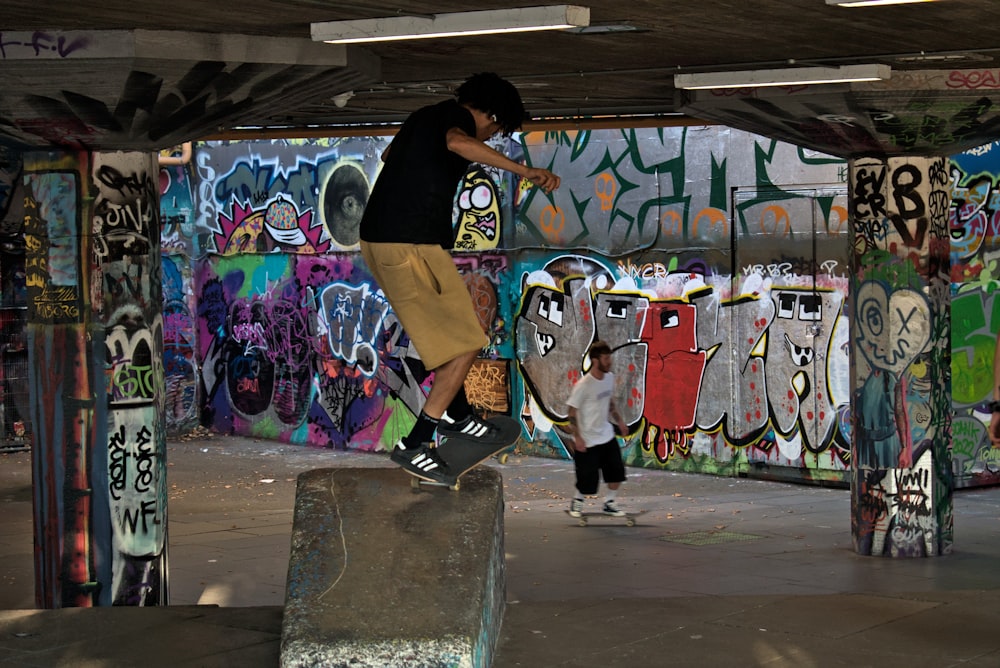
{"x": 382, "y": 575}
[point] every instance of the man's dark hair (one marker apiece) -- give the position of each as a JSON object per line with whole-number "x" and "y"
{"x": 490, "y": 94}
{"x": 599, "y": 348}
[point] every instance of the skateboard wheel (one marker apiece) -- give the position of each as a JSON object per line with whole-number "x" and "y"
{"x": 455, "y": 487}
{"x": 630, "y": 522}
{"x": 502, "y": 458}
{"x": 414, "y": 483}
{"x": 582, "y": 521}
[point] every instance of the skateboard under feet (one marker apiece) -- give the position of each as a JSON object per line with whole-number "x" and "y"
{"x": 463, "y": 455}
{"x": 629, "y": 518}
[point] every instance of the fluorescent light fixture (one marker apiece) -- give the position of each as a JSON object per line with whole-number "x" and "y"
{"x": 871, "y": 3}
{"x": 517, "y": 19}
{"x": 795, "y": 76}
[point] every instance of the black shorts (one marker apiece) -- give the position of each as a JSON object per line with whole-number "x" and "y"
{"x": 604, "y": 459}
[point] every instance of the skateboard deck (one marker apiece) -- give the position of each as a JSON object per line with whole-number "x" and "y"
{"x": 463, "y": 455}
{"x": 629, "y": 517}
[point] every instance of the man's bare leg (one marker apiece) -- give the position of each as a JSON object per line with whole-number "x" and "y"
{"x": 414, "y": 452}
{"x": 448, "y": 378}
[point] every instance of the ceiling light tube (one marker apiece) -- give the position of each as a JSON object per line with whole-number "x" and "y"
{"x": 517, "y": 19}
{"x": 795, "y": 76}
{"x": 871, "y": 3}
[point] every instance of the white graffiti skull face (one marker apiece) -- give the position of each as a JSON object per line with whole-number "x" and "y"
{"x": 893, "y": 329}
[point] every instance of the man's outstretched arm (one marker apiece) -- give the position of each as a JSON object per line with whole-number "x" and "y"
{"x": 474, "y": 150}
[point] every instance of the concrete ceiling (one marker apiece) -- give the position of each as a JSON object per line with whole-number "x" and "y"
{"x": 131, "y": 75}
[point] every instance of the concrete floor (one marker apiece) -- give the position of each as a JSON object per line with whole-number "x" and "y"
{"x": 719, "y": 572}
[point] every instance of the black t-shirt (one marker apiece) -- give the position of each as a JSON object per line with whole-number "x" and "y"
{"x": 411, "y": 201}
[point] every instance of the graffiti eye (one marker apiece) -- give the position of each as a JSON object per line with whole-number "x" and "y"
{"x": 810, "y": 307}
{"x": 669, "y": 318}
{"x": 873, "y": 318}
{"x": 786, "y": 306}
{"x": 551, "y": 309}
{"x": 465, "y": 200}
{"x": 617, "y": 309}
{"x": 482, "y": 197}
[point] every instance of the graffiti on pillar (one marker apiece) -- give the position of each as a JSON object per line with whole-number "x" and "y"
{"x": 124, "y": 210}
{"x": 51, "y": 233}
{"x": 126, "y": 266}
{"x": 895, "y": 513}
{"x": 895, "y": 319}
{"x": 891, "y": 331}
{"x": 136, "y": 476}
{"x": 901, "y": 332}
{"x": 134, "y": 369}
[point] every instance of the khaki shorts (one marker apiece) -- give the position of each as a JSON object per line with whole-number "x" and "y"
{"x": 429, "y": 297}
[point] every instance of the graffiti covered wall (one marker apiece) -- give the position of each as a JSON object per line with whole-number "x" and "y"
{"x": 295, "y": 341}
{"x": 974, "y": 224}
{"x": 708, "y": 255}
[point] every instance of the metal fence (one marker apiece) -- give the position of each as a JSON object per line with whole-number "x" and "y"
{"x": 15, "y": 417}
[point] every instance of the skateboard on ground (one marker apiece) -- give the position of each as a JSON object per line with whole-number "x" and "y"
{"x": 628, "y": 517}
{"x": 463, "y": 455}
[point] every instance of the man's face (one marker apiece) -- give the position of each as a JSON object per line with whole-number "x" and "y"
{"x": 489, "y": 127}
{"x": 603, "y": 362}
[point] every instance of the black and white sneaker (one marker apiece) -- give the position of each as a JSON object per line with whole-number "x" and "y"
{"x": 423, "y": 462}
{"x": 470, "y": 428}
{"x": 611, "y": 508}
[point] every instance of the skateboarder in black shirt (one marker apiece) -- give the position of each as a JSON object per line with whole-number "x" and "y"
{"x": 406, "y": 232}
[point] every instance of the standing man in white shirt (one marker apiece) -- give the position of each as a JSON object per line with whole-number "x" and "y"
{"x": 595, "y": 448}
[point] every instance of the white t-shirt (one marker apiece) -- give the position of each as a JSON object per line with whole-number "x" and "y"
{"x": 592, "y": 400}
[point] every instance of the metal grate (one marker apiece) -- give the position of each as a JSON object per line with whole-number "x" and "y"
{"x": 15, "y": 421}
{"x": 710, "y": 537}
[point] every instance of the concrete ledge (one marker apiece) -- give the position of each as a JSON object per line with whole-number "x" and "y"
{"x": 381, "y": 575}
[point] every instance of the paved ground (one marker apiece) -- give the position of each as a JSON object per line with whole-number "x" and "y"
{"x": 719, "y": 572}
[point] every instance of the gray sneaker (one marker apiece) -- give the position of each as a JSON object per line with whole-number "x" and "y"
{"x": 576, "y": 508}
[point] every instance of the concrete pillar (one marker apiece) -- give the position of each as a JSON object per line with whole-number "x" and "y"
{"x": 95, "y": 357}
{"x": 901, "y": 491}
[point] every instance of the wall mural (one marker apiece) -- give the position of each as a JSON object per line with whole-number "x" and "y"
{"x": 974, "y": 224}
{"x": 644, "y": 238}
{"x": 299, "y": 345}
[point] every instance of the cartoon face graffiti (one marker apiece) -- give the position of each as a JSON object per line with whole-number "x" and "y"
{"x": 799, "y": 307}
{"x": 479, "y": 206}
{"x": 554, "y": 329}
{"x": 800, "y": 336}
{"x": 892, "y": 329}
{"x": 281, "y": 220}
{"x": 968, "y": 217}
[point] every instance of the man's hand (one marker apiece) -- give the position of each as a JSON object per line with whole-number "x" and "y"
{"x": 542, "y": 178}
